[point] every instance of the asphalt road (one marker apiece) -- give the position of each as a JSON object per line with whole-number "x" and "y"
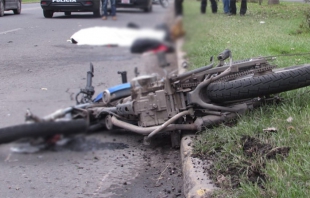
{"x": 41, "y": 71}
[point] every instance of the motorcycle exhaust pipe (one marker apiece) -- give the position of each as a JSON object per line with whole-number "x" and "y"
{"x": 148, "y": 130}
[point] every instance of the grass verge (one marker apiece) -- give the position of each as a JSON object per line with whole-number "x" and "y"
{"x": 30, "y": 1}
{"x": 249, "y": 161}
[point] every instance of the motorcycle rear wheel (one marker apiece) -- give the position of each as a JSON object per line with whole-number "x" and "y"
{"x": 281, "y": 80}
{"x": 41, "y": 129}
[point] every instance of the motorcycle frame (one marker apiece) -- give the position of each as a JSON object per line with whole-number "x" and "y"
{"x": 173, "y": 90}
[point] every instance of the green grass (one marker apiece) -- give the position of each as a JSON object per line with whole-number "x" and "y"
{"x": 287, "y": 177}
{"x": 246, "y": 36}
{"x": 30, "y": 1}
{"x": 265, "y": 30}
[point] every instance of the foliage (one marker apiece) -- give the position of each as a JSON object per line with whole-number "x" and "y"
{"x": 240, "y": 169}
{"x": 30, "y": 1}
{"x": 264, "y": 30}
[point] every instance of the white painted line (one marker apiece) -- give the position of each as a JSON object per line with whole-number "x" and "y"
{"x": 14, "y": 30}
{"x": 102, "y": 182}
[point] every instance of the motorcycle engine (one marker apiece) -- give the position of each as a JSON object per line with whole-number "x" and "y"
{"x": 151, "y": 102}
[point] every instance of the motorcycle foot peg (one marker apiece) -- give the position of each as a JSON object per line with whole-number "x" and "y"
{"x": 146, "y": 141}
{"x": 108, "y": 122}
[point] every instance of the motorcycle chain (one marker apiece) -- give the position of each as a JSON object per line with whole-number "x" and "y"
{"x": 244, "y": 73}
{"x": 230, "y": 77}
{"x": 188, "y": 85}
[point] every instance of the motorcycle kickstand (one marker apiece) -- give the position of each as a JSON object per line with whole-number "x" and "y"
{"x": 175, "y": 139}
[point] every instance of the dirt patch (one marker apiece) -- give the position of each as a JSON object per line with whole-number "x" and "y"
{"x": 162, "y": 175}
{"x": 246, "y": 162}
{"x": 83, "y": 144}
{"x": 254, "y": 147}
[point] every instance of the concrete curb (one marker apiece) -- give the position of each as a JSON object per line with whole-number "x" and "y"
{"x": 195, "y": 179}
{"x": 180, "y": 55}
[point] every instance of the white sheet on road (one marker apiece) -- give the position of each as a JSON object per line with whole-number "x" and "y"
{"x": 123, "y": 37}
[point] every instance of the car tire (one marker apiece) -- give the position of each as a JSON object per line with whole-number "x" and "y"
{"x": 1, "y": 8}
{"x": 148, "y": 9}
{"x": 98, "y": 12}
{"x": 19, "y": 7}
{"x": 67, "y": 13}
{"x": 48, "y": 13}
{"x": 164, "y": 3}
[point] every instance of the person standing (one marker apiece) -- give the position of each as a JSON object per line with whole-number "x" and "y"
{"x": 233, "y": 8}
{"x": 178, "y": 7}
{"x": 226, "y": 6}
{"x": 203, "y": 6}
{"x": 105, "y": 9}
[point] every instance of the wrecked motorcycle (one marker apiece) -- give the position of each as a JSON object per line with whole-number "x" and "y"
{"x": 149, "y": 105}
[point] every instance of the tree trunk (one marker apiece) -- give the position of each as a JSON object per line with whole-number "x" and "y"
{"x": 271, "y": 2}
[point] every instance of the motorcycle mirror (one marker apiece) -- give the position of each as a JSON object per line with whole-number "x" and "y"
{"x": 136, "y": 72}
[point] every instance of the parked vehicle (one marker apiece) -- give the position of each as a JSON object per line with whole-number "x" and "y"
{"x": 68, "y": 6}
{"x": 190, "y": 101}
{"x": 163, "y": 3}
{"x": 14, "y": 5}
{"x": 145, "y": 5}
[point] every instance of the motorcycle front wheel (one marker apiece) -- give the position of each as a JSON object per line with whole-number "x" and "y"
{"x": 41, "y": 129}
{"x": 280, "y": 80}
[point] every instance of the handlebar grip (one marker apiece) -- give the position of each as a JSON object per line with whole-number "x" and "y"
{"x": 90, "y": 75}
{"x": 224, "y": 55}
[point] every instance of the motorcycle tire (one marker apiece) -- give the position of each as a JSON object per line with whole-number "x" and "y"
{"x": 280, "y": 80}
{"x": 41, "y": 129}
